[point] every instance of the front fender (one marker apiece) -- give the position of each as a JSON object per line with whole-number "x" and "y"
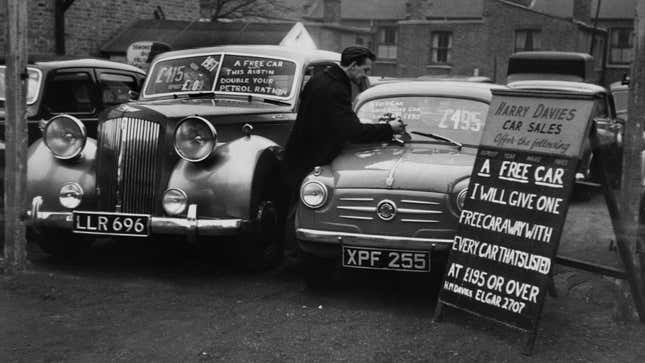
{"x": 46, "y": 175}
{"x": 223, "y": 185}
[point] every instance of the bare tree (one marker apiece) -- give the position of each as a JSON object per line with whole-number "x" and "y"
{"x": 258, "y": 9}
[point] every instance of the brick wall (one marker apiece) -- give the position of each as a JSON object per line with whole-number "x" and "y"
{"x": 89, "y": 23}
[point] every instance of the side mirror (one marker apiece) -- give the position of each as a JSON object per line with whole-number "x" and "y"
{"x": 41, "y": 125}
{"x": 134, "y": 95}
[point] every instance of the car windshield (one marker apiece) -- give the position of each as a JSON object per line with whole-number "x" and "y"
{"x": 231, "y": 74}
{"x": 33, "y": 85}
{"x": 458, "y": 119}
{"x": 620, "y": 99}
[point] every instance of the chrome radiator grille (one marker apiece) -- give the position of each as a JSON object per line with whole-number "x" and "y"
{"x": 128, "y": 165}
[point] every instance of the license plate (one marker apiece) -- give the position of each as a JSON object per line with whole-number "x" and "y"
{"x": 111, "y": 224}
{"x": 385, "y": 259}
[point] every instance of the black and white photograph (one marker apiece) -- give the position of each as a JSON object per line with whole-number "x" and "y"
{"x": 322, "y": 181}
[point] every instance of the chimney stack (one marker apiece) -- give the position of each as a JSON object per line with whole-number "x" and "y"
{"x": 417, "y": 9}
{"x": 331, "y": 11}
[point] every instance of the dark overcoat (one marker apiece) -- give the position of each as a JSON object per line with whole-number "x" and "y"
{"x": 325, "y": 123}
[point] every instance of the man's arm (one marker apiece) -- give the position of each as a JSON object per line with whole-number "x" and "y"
{"x": 345, "y": 122}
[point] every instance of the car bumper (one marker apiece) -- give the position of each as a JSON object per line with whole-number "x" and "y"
{"x": 190, "y": 226}
{"x": 327, "y": 243}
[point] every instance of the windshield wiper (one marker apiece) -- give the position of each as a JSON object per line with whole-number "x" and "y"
{"x": 438, "y": 137}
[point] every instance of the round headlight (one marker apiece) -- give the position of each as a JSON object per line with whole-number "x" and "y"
{"x": 65, "y": 136}
{"x": 313, "y": 194}
{"x": 174, "y": 201}
{"x": 70, "y": 195}
{"x": 195, "y": 138}
{"x": 461, "y": 198}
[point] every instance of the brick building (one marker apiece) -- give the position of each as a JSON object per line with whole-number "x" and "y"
{"x": 90, "y": 23}
{"x": 466, "y": 37}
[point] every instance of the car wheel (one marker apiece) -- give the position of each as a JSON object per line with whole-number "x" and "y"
{"x": 58, "y": 243}
{"x": 262, "y": 247}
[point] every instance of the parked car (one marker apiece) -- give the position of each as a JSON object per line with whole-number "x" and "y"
{"x": 620, "y": 92}
{"x": 197, "y": 156}
{"x": 79, "y": 87}
{"x": 551, "y": 65}
{"x": 394, "y": 206}
{"x": 609, "y": 130}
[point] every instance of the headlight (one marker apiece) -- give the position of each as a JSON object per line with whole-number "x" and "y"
{"x": 70, "y": 195}
{"x": 65, "y": 136}
{"x": 195, "y": 138}
{"x": 461, "y": 198}
{"x": 174, "y": 201}
{"x": 313, "y": 194}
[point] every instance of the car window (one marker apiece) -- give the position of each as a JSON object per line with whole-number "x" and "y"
{"x": 69, "y": 93}
{"x": 457, "y": 118}
{"x": 115, "y": 88}
{"x": 602, "y": 110}
{"x": 33, "y": 84}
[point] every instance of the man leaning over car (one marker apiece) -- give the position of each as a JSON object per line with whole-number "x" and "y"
{"x": 326, "y": 121}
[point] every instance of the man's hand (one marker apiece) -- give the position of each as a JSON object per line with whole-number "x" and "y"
{"x": 398, "y": 127}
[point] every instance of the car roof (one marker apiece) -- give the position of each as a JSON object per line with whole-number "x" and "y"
{"x": 457, "y": 89}
{"x": 552, "y": 55}
{"x": 563, "y": 86}
{"x": 55, "y": 62}
{"x": 303, "y": 55}
{"x": 618, "y": 86}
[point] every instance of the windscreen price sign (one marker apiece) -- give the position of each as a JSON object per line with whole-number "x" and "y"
{"x": 517, "y": 200}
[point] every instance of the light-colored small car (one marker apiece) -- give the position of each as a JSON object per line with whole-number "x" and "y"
{"x": 394, "y": 206}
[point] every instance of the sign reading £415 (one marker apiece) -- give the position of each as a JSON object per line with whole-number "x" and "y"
{"x": 517, "y": 200}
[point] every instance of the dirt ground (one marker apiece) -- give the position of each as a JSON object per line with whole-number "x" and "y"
{"x": 137, "y": 302}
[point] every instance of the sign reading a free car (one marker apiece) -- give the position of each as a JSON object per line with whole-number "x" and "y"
{"x": 515, "y": 208}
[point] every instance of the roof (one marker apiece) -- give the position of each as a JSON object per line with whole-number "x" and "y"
{"x": 185, "y": 34}
{"x": 363, "y": 9}
{"x": 49, "y": 62}
{"x": 565, "y": 86}
{"x": 304, "y": 55}
{"x": 457, "y": 89}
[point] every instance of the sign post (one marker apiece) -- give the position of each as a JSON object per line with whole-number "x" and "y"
{"x": 503, "y": 253}
{"x": 15, "y": 250}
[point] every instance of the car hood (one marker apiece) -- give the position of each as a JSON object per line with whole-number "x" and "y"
{"x": 204, "y": 107}
{"x": 427, "y": 167}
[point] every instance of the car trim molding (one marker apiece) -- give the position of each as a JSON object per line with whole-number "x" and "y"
{"x": 337, "y": 237}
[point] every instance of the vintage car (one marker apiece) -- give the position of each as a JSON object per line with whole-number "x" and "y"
{"x": 620, "y": 91}
{"x": 78, "y": 87}
{"x": 197, "y": 156}
{"x": 394, "y": 206}
{"x": 609, "y": 130}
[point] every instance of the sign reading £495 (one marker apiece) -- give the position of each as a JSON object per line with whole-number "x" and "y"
{"x": 509, "y": 230}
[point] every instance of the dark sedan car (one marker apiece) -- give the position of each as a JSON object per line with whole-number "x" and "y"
{"x": 198, "y": 156}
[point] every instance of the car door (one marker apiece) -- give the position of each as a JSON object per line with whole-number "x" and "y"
{"x": 72, "y": 91}
{"x": 117, "y": 87}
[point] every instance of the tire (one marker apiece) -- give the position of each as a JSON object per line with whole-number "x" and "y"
{"x": 59, "y": 244}
{"x": 262, "y": 247}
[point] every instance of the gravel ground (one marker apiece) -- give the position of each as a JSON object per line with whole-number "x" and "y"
{"x": 135, "y": 302}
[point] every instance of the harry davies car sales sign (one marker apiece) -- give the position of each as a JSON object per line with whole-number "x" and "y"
{"x": 509, "y": 229}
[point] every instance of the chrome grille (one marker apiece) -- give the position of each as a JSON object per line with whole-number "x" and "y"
{"x": 428, "y": 208}
{"x": 128, "y": 166}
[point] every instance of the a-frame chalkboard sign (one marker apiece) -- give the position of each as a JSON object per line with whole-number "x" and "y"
{"x": 504, "y": 250}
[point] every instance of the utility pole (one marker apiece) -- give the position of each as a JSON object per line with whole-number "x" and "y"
{"x": 15, "y": 250}
{"x": 635, "y": 110}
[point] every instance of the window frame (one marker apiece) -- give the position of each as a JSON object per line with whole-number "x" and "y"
{"x": 387, "y": 45}
{"x": 536, "y": 39}
{"x": 435, "y": 49}
{"x": 629, "y": 48}
{"x": 93, "y": 91}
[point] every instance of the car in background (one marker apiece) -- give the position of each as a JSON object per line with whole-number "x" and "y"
{"x": 551, "y": 65}
{"x": 79, "y": 87}
{"x": 609, "y": 128}
{"x": 197, "y": 157}
{"x": 620, "y": 92}
{"x": 394, "y": 206}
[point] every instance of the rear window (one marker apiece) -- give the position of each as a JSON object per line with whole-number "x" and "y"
{"x": 456, "y": 118}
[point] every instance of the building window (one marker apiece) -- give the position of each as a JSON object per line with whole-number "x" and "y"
{"x": 527, "y": 39}
{"x": 441, "y": 46}
{"x": 622, "y": 46}
{"x": 387, "y": 43}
